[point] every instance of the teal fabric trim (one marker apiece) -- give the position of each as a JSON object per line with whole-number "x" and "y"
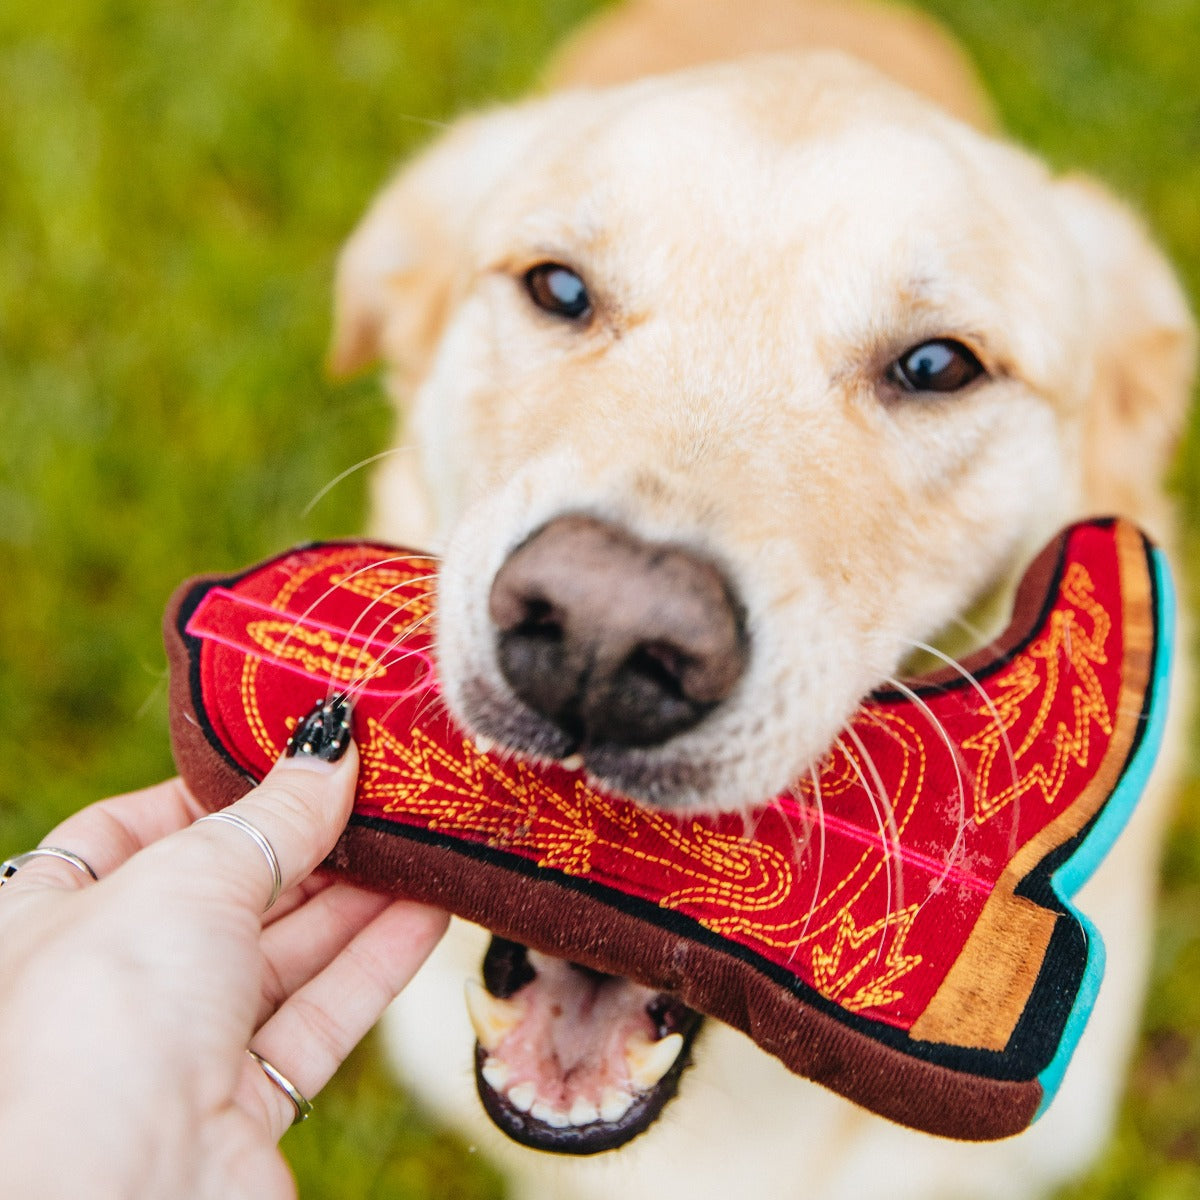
{"x": 1078, "y": 869}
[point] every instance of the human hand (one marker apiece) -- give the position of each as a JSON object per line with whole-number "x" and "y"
{"x": 127, "y": 1005}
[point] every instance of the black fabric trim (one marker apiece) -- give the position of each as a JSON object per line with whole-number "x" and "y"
{"x": 1035, "y": 1039}
{"x": 1039, "y": 1029}
{"x": 1005, "y": 657}
{"x": 191, "y": 601}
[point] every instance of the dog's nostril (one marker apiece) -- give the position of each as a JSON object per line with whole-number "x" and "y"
{"x": 612, "y": 638}
{"x": 662, "y": 664}
{"x": 541, "y": 620}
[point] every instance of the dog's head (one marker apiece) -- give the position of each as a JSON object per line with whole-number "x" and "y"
{"x": 729, "y": 389}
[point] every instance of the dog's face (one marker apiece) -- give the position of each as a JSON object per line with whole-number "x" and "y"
{"x": 732, "y": 388}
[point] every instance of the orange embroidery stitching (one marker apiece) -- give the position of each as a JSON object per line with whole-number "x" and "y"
{"x": 422, "y": 778}
{"x": 1067, "y": 641}
{"x": 829, "y": 907}
{"x": 254, "y": 717}
{"x": 833, "y": 975}
{"x": 283, "y": 598}
{"x": 316, "y": 650}
{"x": 382, "y": 584}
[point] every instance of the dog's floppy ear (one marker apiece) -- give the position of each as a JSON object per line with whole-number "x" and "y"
{"x": 397, "y": 273}
{"x": 1144, "y": 343}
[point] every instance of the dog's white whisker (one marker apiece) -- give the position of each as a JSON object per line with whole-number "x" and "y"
{"x": 389, "y": 614}
{"x": 799, "y": 846}
{"x": 362, "y": 464}
{"x": 388, "y": 656}
{"x": 430, "y": 703}
{"x": 820, "y": 807}
{"x": 751, "y": 817}
{"x": 353, "y": 686}
{"x": 960, "y": 766}
{"x": 1001, "y": 727}
{"x": 360, "y": 681}
{"x": 888, "y": 834}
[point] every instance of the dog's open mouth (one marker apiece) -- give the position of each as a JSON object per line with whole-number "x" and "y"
{"x": 569, "y": 1059}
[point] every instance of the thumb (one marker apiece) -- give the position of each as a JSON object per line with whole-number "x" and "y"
{"x": 297, "y": 812}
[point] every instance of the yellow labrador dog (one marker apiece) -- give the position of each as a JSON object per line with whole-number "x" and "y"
{"x": 729, "y": 377}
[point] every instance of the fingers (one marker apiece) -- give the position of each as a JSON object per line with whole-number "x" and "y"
{"x": 110, "y": 832}
{"x": 299, "y": 809}
{"x": 310, "y": 937}
{"x": 298, "y": 896}
{"x": 314, "y": 1031}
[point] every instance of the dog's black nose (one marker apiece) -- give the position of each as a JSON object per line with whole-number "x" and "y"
{"x": 612, "y": 638}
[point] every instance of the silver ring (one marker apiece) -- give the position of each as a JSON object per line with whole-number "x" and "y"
{"x": 260, "y": 840}
{"x": 286, "y": 1086}
{"x": 11, "y": 866}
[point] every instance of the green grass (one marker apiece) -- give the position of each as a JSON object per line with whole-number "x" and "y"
{"x": 174, "y": 182}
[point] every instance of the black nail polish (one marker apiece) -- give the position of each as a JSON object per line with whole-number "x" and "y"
{"x": 325, "y": 732}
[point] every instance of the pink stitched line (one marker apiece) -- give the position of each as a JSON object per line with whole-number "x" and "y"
{"x": 198, "y": 628}
{"x": 915, "y": 857}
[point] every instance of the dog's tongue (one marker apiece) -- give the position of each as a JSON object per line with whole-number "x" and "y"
{"x": 571, "y": 1060}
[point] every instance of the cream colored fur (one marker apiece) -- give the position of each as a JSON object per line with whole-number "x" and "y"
{"x": 761, "y": 239}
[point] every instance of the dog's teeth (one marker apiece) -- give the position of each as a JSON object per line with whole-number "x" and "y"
{"x": 649, "y": 1061}
{"x": 492, "y": 1019}
{"x": 522, "y": 1096}
{"x": 549, "y": 1116}
{"x": 495, "y": 1074}
{"x": 485, "y": 745}
{"x": 583, "y": 1112}
{"x": 614, "y": 1104}
{"x": 573, "y": 762}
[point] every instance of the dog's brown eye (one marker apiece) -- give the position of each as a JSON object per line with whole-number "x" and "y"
{"x": 558, "y": 290}
{"x": 942, "y": 365}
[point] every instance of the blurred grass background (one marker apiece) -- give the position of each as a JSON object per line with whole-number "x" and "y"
{"x": 175, "y": 179}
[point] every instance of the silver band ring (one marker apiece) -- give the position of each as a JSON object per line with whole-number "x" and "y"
{"x": 11, "y": 866}
{"x": 260, "y": 840}
{"x": 286, "y": 1086}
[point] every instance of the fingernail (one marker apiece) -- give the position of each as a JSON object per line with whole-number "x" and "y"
{"x": 324, "y": 733}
